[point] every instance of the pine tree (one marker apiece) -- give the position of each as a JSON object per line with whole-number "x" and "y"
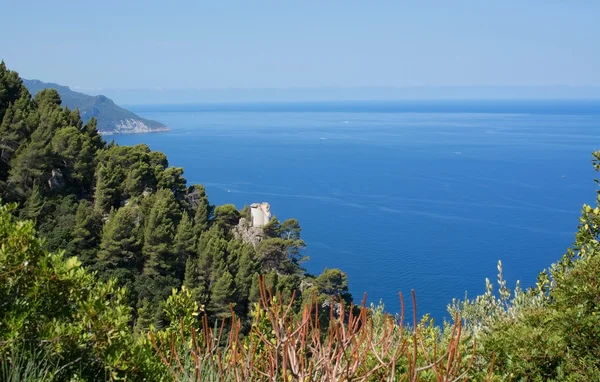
{"x": 86, "y": 235}
{"x": 11, "y": 88}
{"x": 49, "y": 99}
{"x": 190, "y": 280}
{"x": 34, "y": 160}
{"x": 139, "y": 177}
{"x": 121, "y": 246}
{"x": 172, "y": 179}
{"x": 33, "y": 206}
{"x": 254, "y": 294}
{"x": 185, "y": 243}
{"x": 160, "y": 264}
{"x": 91, "y": 130}
{"x": 212, "y": 261}
{"x": 76, "y": 156}
{"x": 107, "y": 192}
{"x": 202, "y": 213}
{"x": 247, "y": 266}
{"x": 222, "y": 295}
{"x": 144, "y": 319}
{"x": 16, "y": 127}
{"x": 75, "y": 118}
{"x": 159, "y": 234}
{"x": 57, "y": 222}
{"x": 226, "y": 216}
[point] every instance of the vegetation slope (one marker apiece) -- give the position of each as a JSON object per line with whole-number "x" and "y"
{"x": 112, "y": 267}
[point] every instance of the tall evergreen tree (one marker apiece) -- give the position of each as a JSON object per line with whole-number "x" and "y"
{"x": 91, "y": 130}
{"x": 11, "y": 88}
{"x": 246, "y": 268}
{"x": 212, "y": 257}
{"x": 120, "y": 252}
{"x": 185, "y": 243}
{"x": 145, "y": 318}
{"x": 16, "y": 127}
{"x": 226, "y": 216}
{"x": 75, "y": 119}
{"x": 202, "y": 213}
{"x": 57, "y": 222}
{"x": 172, "y": 179}
{"x": 222, "y": 295}
{"x": 160, "y": 264}
{"x": 107, "y": 191}
{"x": 190, "y": 279}
{"x": 34, "y": 161}
{"x": 86, "y": 235}
{"x": 159, "y": 234}
{"x": 75, "y": 154}
{"x": 33, "y": 206}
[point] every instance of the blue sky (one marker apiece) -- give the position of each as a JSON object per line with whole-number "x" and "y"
{"x": 133, "y": 44}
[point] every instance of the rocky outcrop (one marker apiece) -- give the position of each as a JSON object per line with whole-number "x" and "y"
{"x": 133, "y": 126}
{"x": 251, "y": 231}
{"x": 245, "y": 232}
{"x": 57, "y": 180}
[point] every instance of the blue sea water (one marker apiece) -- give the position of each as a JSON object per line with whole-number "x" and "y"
{"x": 401, "y": 196}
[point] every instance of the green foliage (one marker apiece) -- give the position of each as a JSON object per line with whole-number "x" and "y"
{"x": 86, "y": 233}
{"x": 33, "y": 206}
{"x": 181, "y": 309}
{"x": 11, "y": 88}
{"x": 334, "y": 284}
{"x": 129, "y": 217}
{"x": 33, "y": 160}
{"x": 184, "y": 244}
{"x": 48, "y": 299}
{"x": 222, "y": 295}
{"x": 159, "y": 234}
{"x": 57, "y": 222}
{"x": 281, "y": 251}
{"x": 21, "y": 365}
{"x": 107, "y": 189}
{"x": 202, "y": 210}
{"x": 120, "y": 254}
{"x": 226, "y": 216}
{"x": 17, "y": 121}
{"x": 75, "y": 154}
{"x": 172, "y": 179}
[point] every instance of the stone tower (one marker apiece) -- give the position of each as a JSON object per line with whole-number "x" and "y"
{"x": 261, "y": 214}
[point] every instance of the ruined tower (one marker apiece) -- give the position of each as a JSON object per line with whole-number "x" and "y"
{"x": 261, "y": 214}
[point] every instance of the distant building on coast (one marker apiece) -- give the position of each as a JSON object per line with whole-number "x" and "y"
{"x": 261, "y": 214}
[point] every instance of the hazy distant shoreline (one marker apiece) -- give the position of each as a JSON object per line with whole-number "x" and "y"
{"x": 580, "y": 106}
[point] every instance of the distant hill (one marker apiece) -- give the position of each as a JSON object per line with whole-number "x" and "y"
{"x": 112, "y": 119}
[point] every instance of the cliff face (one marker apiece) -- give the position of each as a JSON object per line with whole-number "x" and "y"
{"x": 133, "y": 126}
{"x": 245, "y": 232}
{"x": 112, "y": 119}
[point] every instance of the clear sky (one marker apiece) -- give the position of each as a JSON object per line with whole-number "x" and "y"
{"x": 180, "y": 44}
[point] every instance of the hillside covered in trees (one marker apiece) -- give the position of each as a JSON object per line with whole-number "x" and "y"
{"x": 113, "y": 267}
{"x": 126, "y": 214}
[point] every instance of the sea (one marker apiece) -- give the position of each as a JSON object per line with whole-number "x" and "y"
{"x": 425, "y": 195}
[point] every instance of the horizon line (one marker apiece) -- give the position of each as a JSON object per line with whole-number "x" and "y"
{"x": 374, "y": 87}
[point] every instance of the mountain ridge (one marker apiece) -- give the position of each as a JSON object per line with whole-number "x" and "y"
{"x": 112, "y": 119}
